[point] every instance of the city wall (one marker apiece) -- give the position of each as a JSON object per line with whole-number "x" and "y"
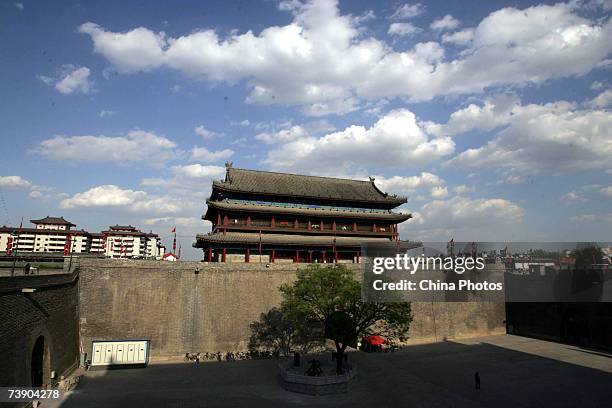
{"x": 207, "y": 307}
{"x": 40, "y": 308}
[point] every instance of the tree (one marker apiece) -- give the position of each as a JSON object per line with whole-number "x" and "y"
{"x": 588, "y": 255}
{"x": 275, "y": 332}
{"x": 332, "y": 296}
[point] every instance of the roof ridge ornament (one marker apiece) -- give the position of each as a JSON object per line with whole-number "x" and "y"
{"x": 228, "y": 166}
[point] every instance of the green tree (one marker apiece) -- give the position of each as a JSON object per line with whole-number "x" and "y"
{"x": 588, "y": 255}
{"x": 275, "y": 332}
{"x": 331, "y": 295}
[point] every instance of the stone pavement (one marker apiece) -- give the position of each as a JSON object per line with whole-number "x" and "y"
{"x": 514, "y": 371}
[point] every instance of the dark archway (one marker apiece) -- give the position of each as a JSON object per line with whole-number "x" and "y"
{"x": 38, "y": 356}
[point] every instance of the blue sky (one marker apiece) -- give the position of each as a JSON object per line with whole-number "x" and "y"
{"x": 493, "y": 117}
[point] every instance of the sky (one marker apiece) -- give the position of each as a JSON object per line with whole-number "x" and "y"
{"x": 492, "y": 117}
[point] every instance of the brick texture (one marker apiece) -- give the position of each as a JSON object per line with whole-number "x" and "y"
{"x": 182, "y": 311}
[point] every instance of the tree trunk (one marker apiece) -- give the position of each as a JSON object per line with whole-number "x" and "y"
{"x": 340, "y": 358}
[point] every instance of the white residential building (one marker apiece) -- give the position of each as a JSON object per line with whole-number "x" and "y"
{"x": 55, "y": 234}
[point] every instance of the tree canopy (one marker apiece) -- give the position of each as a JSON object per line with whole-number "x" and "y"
{"x": 331, "y": 295}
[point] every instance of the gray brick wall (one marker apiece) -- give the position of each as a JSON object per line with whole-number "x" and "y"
{"x": 181, "y": 311}
{"x": 52, "y": 312}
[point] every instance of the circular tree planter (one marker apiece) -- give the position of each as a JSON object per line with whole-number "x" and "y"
{"x": 315, "y": 385}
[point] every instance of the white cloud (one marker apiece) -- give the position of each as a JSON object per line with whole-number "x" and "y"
{"x": 203, "y": 154}
{"x": 205, "y": 133}
{"x": 440, "y": 219}
{"x": 111, "y": 196}
{"x": 439, "y": 192}
{"x": 606, "y": 192}
{"x": 597, "y": 85}
{"x": 463, "y": 189}
{"x": 70, "y": 80}
{"x": 573, "y": 197}
{"x": 137, "y": 146}
{"x": 447, "y": 22}
{"x": 324, "y": 63}
{"x": 137, "y": 50}
{"x": 14, "y": 182}
{"x": 243, "y": 123}
{"x": 105, "y": 113}
{"x": 198, "y": 171}
{"x": 35, "y": 194}
{"x": 554, "y": 137}
{"x": 407, "y": 11}
{"x": 403, "y": 29}
{"x": 284, "y": 135}
{"x": 19, "y": 6}
{"x": 76, "y": 81}
{"x": 394, "y": 140}
{"x": 603, "y": 100}
{"x": 463, "y": 37}
{"x": 408, "y": 185}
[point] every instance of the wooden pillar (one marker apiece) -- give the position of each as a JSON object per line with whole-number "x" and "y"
{"x": 309, "y": 225}
{"x": 374, "y": 227}
{"x": 225, "y": 222}
{"x": 273, "y": 222}
{"x": 358, "y": 256}
{"x": 218, "y": 220}
{"x": 224, "y": 256}
{"x": 296, "y": 224}
{"x": 323, "y": 260}
{"x": 273, "y": 254}
{"x": 210, "y": 254}
{"x": 297, "y": 256}
{"x": 248, "y": 221}
{"x": 247, "y": 256}
{"x": 309, "y": 256}
{"x": 334, "y": 225}
{"x": 322, "y": 225}
{"x": 354, "y": 227}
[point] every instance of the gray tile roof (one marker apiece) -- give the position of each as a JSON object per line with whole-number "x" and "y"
{"x": 297, "y": 185}
{"x": 53, "y": 220}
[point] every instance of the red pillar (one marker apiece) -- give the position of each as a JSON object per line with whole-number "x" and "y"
{"x": 322, "y": 225}
{"x": 247, "y": 256}
{"x": 225, "y": 222}
{"x": 309, "y": 225}
{"x": 273, "y": 223}
{"x": 249, "y": 221}
{"x": 218, "y": 220}
{"x": 210, "y": 254}
{"x": 297, "y": 256}
{"x": 273, "y": 256}
{"x": 323, "y": 257}
{"x": 224, "y": 256}
{"x": 309, "y": 256}
{"x": 334, "y": 225}
{"x": 296, "y": 224}
{"x": 374, "y": 227}
{"x": 355, "y": 227}
{"x": 358, "y": 255}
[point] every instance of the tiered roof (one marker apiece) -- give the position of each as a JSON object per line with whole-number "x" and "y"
{"x": 302, "y": 186}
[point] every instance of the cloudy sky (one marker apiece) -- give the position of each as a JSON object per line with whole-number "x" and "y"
{"x": 493, "y": 117}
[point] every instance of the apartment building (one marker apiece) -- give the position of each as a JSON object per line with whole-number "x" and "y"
{"x": 56, "y": 235}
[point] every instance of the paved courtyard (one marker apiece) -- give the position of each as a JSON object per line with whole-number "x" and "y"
{"x": 514, "y": 371}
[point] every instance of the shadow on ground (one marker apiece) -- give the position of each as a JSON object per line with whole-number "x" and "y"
{"x": 434, "y": 375}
